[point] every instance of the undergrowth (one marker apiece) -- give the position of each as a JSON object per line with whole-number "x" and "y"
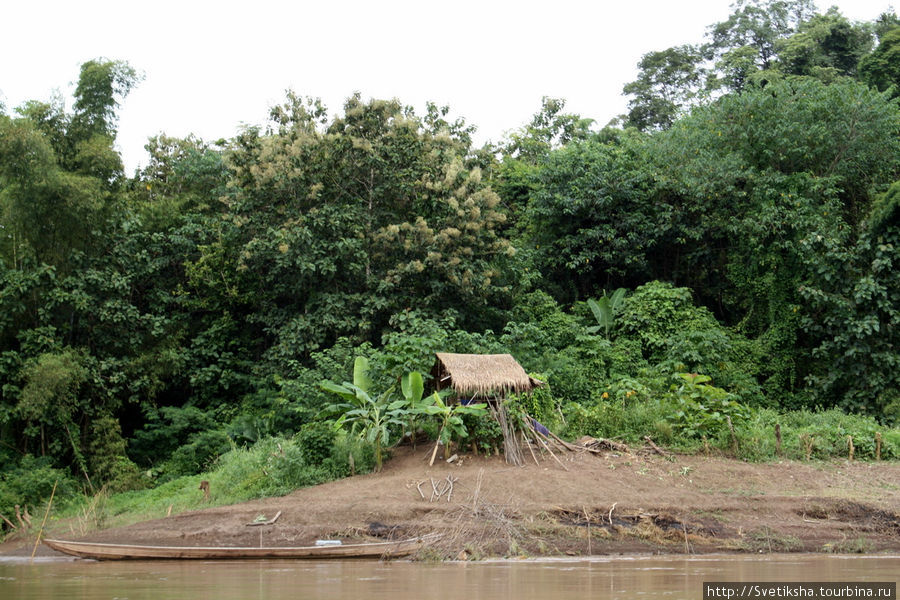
{"x": 271, "y": 467}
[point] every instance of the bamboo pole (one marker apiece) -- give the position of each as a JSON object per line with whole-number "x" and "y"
{"x": 44, "y": 522}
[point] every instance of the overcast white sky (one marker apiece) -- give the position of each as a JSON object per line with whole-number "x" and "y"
{"x": 211, "y": 66}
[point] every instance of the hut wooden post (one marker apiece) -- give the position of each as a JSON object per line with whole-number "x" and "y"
{"x": 491, "y": 378}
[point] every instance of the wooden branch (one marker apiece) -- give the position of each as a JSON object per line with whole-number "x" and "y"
{"x": 656, "y": 448}
{"x": 588, "y": 518}
{"x": 540, "y": 436}
{"x": 19, "y": 518}
{"x": 533, "y": 455}
{"x": 269, "y": 522}
{"x": 451, "y": 480}
{"x": 435, "y": 493}
{"x": 566, "y": 444}
{"x": 8, "y": 522}
{"x": 478, "y": 481}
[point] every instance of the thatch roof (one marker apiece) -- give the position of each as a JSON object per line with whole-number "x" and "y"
{"x": 482, "y": 374}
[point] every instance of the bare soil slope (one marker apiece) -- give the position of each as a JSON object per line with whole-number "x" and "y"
{"x": 584, "y": 503}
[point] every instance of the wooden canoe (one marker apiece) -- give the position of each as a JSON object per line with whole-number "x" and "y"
{"x": 98, "y": 551}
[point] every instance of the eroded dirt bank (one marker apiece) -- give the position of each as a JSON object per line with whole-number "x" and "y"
{"x": 611, "y": 503}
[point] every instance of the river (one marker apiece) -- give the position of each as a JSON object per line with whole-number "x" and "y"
{"x": 602, "y": 578}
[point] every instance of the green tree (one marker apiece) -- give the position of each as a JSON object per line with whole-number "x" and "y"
{"x": 760, "y": 25}
{"x": 332, "y": 228}
{"x": 881, "y": 68}
{"x": 669, "y": 81}
{"x": 825, "y": 46}
{"x": 595, "y": 218}
{"x": 102, "y": 85}
{"x": 852, "y": 313}
{"x": 550, "y": 128}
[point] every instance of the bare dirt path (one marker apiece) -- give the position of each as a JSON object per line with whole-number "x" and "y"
{"x": 612, "y": 503}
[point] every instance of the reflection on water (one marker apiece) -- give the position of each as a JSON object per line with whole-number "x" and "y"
{"x": 670, "y": 577}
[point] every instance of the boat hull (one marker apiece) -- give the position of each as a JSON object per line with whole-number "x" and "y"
{"x": 98, "y": 551}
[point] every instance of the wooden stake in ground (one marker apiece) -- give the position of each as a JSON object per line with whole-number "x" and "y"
{"x": 44, "y": 522}
{"x": 877, "y": 445}
{"x": 588, "y": 517}
{"x": 687, "y": 546}
{"x": 778, "y": 439}
{"x": 478, "y": 482}
{"x": 850, "y": 447}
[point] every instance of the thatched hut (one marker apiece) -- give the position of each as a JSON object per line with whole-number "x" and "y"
{"x": 489, "y": 378}
{"x": 484, "y": 376}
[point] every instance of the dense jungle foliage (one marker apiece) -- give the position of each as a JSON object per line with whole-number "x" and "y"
{"x": 158, "y": 325}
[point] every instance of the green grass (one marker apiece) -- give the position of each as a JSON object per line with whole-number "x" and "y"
{"x": 271, "y": 467}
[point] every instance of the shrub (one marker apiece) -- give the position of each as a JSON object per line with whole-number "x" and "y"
{"x": 703, "y": 410}
{"x": 198, "y": 454}
{"x": 656, "y": 312}
{"x": 316, "y": 441}
{"x": 29, "y": 485}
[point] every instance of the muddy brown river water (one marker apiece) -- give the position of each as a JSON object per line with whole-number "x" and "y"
{"x": 650, "y": 577}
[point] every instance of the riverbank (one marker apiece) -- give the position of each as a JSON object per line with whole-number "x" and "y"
{"x": 581, "y": 504}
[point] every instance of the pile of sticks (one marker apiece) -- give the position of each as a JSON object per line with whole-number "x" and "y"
{"x": 511, "y": 448}
{"x": 547, "y": 441}
{"x": 438, "y": 489}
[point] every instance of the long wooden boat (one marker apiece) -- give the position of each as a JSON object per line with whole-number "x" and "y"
{"x": 98, "y": 551}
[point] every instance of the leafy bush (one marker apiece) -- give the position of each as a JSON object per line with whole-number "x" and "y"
{"x": 575, "y": 372}
{"x": 703, "y": 410}
{"x": 347, "y": 446}
{"x": 202, "y": 449}
{"x": 541, "y": 404}
{"x": 316, "y": 441}
{"x": 29, "y": 484}
{"x": 624, "y": 419}
{"x": 165, "y": 430}
{"x": 109, "y": 463}
{"x": 656, "y": 313}
{"x": 483, "y": 432}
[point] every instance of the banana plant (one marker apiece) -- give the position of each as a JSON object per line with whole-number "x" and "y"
{"x": 450, "y": 416}
{"x": 412, "y": 386}
{"x": 605, "y": 310}
{"x": 373, "y": 419}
